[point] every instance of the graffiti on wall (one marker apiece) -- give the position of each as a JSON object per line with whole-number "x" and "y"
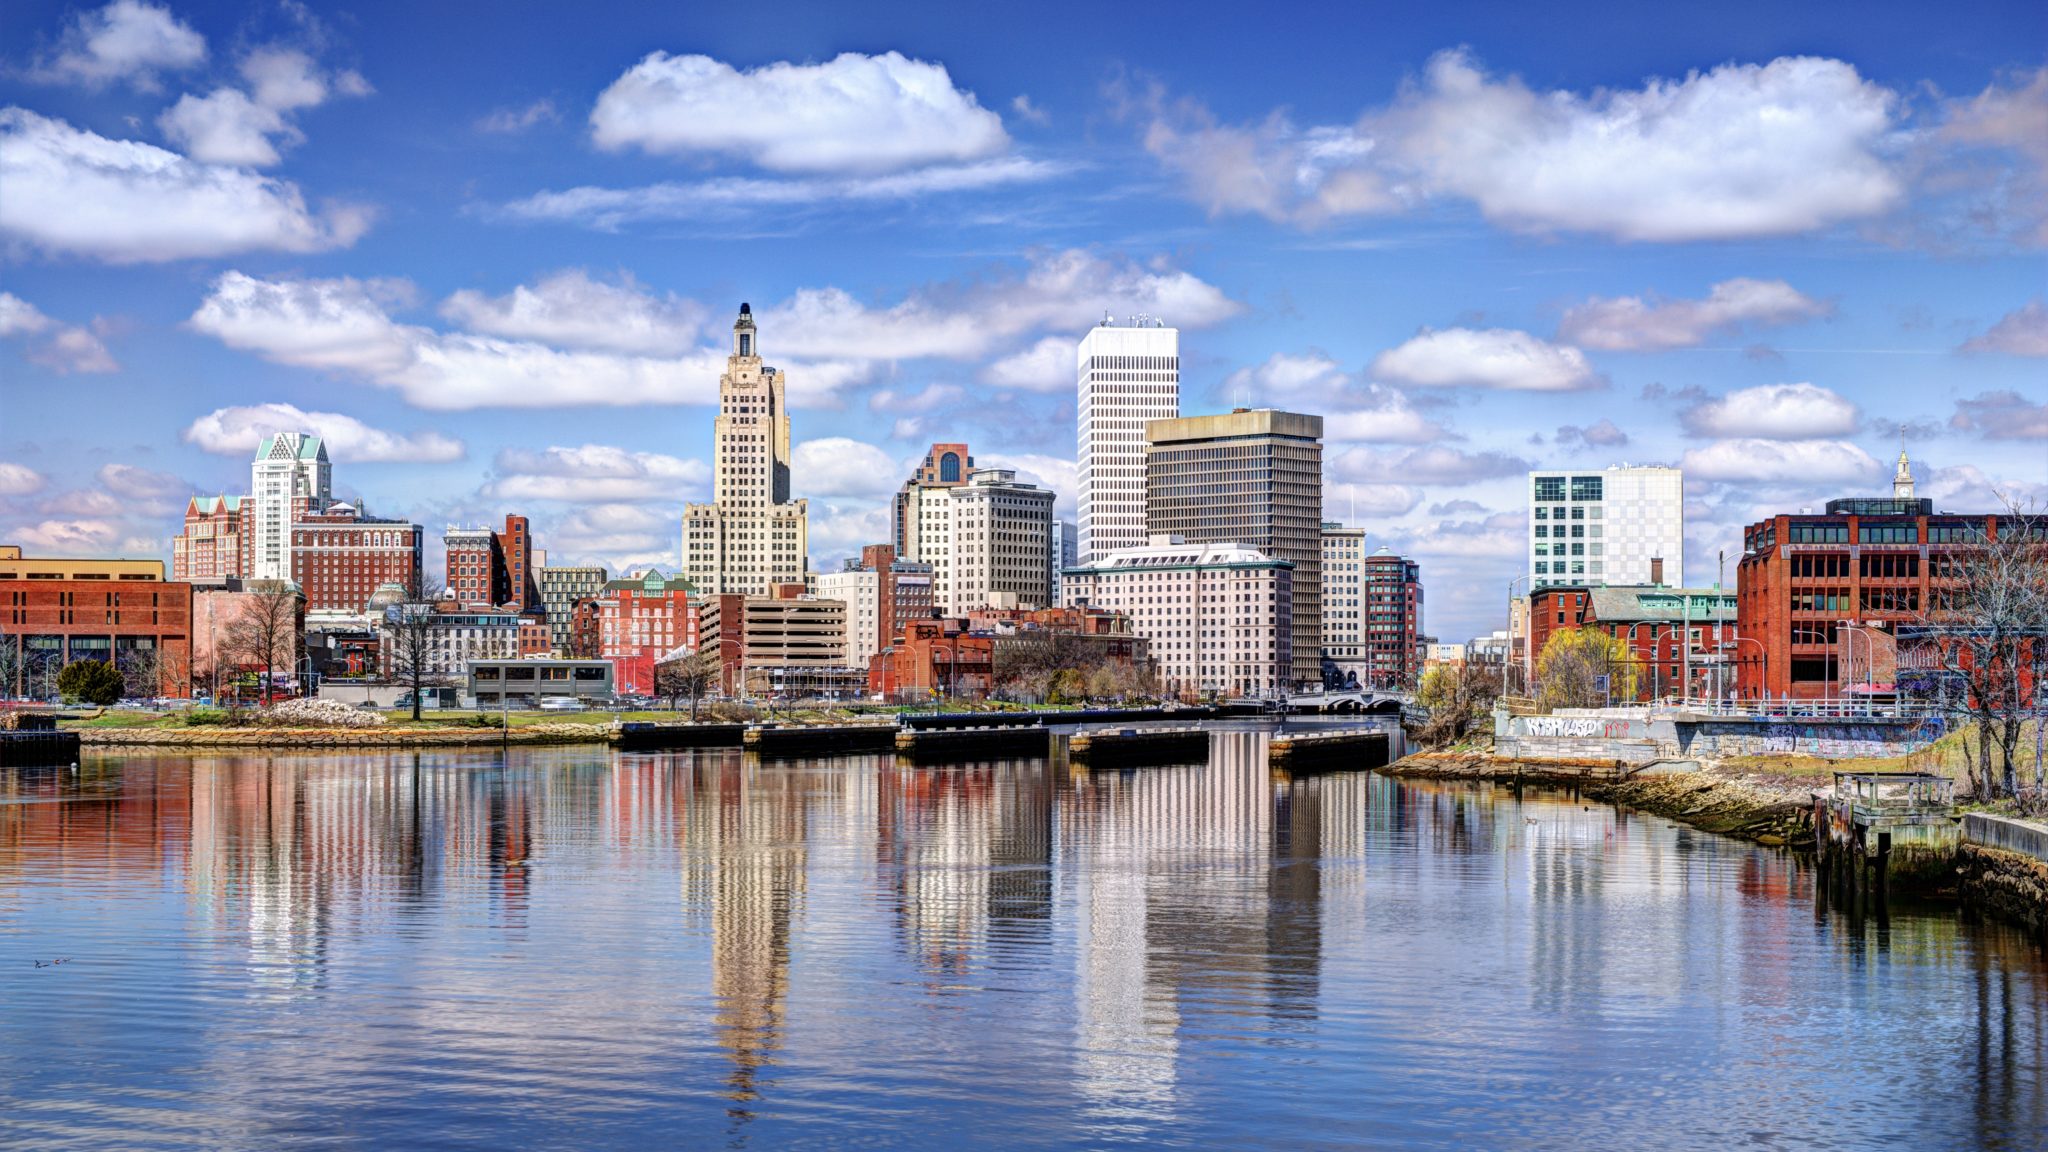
{"x": 1577, "y": 726}
{"x": 1836, "y": 741}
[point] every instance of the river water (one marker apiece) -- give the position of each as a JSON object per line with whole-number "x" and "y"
{"x": 572, "y": 948}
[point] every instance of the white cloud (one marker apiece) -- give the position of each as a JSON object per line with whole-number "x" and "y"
{"x": 1047, "y": 366}
{"x": 235, "y": 432}
{"x": 598, "y": 474}
{"x": 77, "y": 536}
{"x": 1433, "y": 464}
{"x": 852, "y": 114}
{"x": 1057, "y": 290}
{"x": 1369, "y": 501}
{"x": 232, "y": 127}
{"x": 73, "y": 349}
{"x": 1353, "y": 409}
{"x": 1757, "y": 461}
{"x": 1774, "y": 412}
{"x": 1604, "y": 434}
{"x": 1500, "y": 358}
{"x": 625, "y": 537}
{"x": 70, "y": 191}
{"x": 1966, "y": 487}
{"x": 1742, "y": 150}
{"x": 509, "y": 120}
{"x": 127, "y": 40}
{"x": 326, "y": 324}
{"x": 1632, "y": 324}
{"x": 2002, "y": 416}
{"x": 927, "y": 399}
{"x": 2010, "y": 120}
{"x": 1503, "y": 534}
{"x": 19, "y": 479}
{"x": 2021, "y": 332}
{"x": 838, "y": 466}
{"x": 725, "y": 197}
{"x": 570, "y": 308}
{"x": 1026, "y": 110}
{"x": 131, "y": 482}
{"x": 19, "y": 317}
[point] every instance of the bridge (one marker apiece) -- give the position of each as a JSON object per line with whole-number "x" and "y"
{"x": 1381, "y": 703}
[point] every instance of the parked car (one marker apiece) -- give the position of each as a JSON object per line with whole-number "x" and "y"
{"x": 563, "y": 704}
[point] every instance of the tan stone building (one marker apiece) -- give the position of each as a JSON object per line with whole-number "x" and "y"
{"x": 751, "y": 536}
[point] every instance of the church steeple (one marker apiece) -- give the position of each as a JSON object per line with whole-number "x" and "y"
{"x": 1902, "y": 479}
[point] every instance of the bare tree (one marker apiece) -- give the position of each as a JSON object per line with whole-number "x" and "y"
{"x": 13, "y": 665}
{"x": 410, "y": 636}
{"x": 1984, "y": 630}
{"x": 266, "y": 630}
{"x": 1456, "y": 695}
{"x": 687, "y": 677}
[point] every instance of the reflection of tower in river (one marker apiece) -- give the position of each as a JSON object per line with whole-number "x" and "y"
{"x": 972, "y": 849}
{"x": 1198, "y": 889}
{"x": 743, "y": 859}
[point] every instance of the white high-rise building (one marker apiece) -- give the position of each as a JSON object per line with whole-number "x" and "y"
{"x": 1344, "y": 601}
{"x": 1620, "y": 525}
{"x": 289, "y": 478}
{"x": 860, "y": 589}
{"x": 1129, "y": 373}
{"x": 989, "y": 542}
{"x": 751, "y": 536}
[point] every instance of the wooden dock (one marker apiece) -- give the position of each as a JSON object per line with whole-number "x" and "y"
{"x": 929, "y": 744}
{"x": 1873, "y": 826}
{"x": 818, "y": 739}
{"x": 642, "y": 736}
{"x": 1120, "y": 747}
{"x": 1346, "y": 750}
{"x": 36, "y": 747}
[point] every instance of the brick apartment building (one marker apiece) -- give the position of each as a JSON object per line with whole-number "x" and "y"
{"x": 211, "y": 547}
{"x": 1826, "y": 596}
{"x": 633, "y": 623}
{"x": 56, "y": 611}
{"x": 491, "y": 568}
{"x": 1676, "y": 637}
{"x": 340, "y": 556}
{"x": 1392, "y": 619}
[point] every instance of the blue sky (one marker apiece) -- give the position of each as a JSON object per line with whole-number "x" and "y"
{"x": 490, "y": 252}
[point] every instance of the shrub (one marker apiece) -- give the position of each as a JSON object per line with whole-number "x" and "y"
{"x": 92, "y": 681}
{"x": 203, "y": 717}
{"x": 304, "y": 713}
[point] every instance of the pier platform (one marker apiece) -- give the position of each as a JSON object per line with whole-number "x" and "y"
{"x": 1122, "y": 747}
{"x": 989, "y": 740}
{"x": 1342, "y": 751}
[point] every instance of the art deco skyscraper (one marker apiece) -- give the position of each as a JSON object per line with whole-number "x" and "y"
{"x": 751, "y": 536}
{"x": 1129, "y": 373}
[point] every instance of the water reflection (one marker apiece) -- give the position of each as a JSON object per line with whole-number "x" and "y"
{"x": 568, "y": 945}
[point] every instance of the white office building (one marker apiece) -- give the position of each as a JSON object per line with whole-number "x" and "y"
{"x": 1129, "y": 373}
{"x": 751, "y": 536}
{"x": 1220, "y": 616}
{"x": 860, "y": 589}
{"x": 289, "y": 478}
{"x": 989, "y": 542}
{"x": 1621, "y": 525}
{"x": 1344, "y": 607}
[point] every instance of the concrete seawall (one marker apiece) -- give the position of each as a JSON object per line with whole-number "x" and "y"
{"x": 318, "y": 739}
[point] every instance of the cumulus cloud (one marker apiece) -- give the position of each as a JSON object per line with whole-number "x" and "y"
{"x": 2021, "y": 332}
{"x": 1503, "y": 534}
{"x": 1054, "y": 472}
{"x": 573, "y": 309}
{"x": 1743, "y": 150}
{"x": 1601, "y": 435}
{"x": 245, "y": 128}
{"x": 61, "y": 348}
{"x": 1353, "y": 409}
{"x": 236, "y": 431}
{"x": 1498, "y": 358}
{"x": 2008, "y": 120}
{"x": 74, "y": 192}
{"x": 852, "y": 114}
{"x": 2002, "y": 416}
{"x": 1633, "y": 324}
{"x": 1968, "y": 487}
{"x": 927, "y": 399}
{"x": 128, "y": 40}
{"x": 510, "y": 120}
{"x": 68, "y": 536}
{"x": 839, "y": 466}
{"x": 18, "y": 316}
{"x": 1026, "y": 110}
{"x": 1429, "y": 465}
{"x": 1759, "y": 461}
{"x": 1047, "y": 366}
{"x": 1774, "y": 412}
{"x": 19, "y": 479}
{"x": 1358, "y": 501}
{"x": 597, "y": 474}
{"x": 626, "y": 537}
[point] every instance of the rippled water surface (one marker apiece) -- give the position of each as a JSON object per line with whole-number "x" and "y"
{"x": 578, "y": 949}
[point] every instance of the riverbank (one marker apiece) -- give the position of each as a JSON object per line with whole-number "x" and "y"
{"x": 327, "y": 739}
{"x": 1754, "y": 803}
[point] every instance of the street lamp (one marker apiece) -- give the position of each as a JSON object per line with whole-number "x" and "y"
{"x": 1869, "y": 652}
{"x": 1763, "y": 654}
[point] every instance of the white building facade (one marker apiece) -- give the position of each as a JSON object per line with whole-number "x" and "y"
{"x": 1219, "y": 616}
{"x": 289, "y": 477}
{"x": 1129, "y": 373}
{"x": 1344, "y": 601}
{"x": 751, "y": 536}
{"x": 989, "y": 542}
{"x": 860, "y": 589}
{"x": 1620, "y": 525}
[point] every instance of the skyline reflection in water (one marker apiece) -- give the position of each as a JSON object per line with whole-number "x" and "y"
{"x": 578, "y": 948}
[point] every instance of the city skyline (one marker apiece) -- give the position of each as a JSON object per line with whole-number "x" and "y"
{"x": 493, "y": 272}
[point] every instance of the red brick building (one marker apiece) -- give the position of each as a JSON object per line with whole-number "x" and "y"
{"x": 1393, "y": 619}
{"x": 931, "y": 659}
{"x": 211, "y": 547}
{"x": 490, "y": 568}
{"x": 1825, "y": 596}
{"x": 1677, "y": 637}
{"x": 636, "y": 622}
{"x": 340, "y": 556}
{"x": 56, "y": 611}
